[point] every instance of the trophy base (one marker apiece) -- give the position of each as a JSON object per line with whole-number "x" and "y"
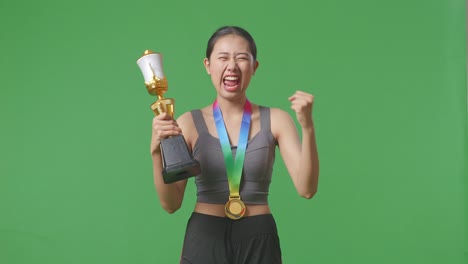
{"x": 178, "y": 163}
{"x": 181, "y": 171}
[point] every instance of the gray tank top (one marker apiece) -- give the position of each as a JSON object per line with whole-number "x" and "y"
{"x": 212, "y": 183}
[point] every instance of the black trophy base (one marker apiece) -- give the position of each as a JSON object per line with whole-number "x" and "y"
{"x": 178, "y": 163}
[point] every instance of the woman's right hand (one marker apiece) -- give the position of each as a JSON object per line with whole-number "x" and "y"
{"x": 164, "y": 126}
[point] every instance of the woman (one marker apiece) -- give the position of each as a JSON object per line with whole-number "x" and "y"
{"x": 235, "y": 141}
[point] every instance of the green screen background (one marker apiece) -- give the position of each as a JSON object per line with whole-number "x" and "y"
{"x": 390, "y": 84}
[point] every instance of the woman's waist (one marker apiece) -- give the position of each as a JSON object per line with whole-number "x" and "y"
{"x": 219, "y": 195}
{"x": 219, "y": 210}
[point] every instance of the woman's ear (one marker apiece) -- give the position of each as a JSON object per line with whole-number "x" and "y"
{"x": 206, "y": 62}
{"x": 255, "y": 67}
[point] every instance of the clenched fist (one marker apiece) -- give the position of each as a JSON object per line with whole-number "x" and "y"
{"x": 301, "y": 103}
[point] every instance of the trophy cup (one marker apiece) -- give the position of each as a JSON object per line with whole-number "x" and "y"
{"x": 177, "y": 161}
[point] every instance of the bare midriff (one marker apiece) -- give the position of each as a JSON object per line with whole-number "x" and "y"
{"x": 218, "y": 209}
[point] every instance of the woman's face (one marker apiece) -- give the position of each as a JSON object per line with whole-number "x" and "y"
{"x": 231, "y": 65}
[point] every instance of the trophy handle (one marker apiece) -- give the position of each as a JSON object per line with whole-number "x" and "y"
{"x": 164, "y": 105}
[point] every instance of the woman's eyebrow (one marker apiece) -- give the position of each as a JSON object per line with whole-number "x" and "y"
{"x": 237, "y": 54}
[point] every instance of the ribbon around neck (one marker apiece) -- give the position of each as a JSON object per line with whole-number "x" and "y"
{"x": 233, "y": 167}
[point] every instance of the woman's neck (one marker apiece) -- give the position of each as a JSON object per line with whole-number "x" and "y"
{"x": 231, "y": 107}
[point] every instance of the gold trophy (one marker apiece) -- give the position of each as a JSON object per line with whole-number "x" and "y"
{"x": 178, "y": 163}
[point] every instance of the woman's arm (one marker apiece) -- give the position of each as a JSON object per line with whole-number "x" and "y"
{"x": 300, "y": 157}
{"x": 170, "y": 195}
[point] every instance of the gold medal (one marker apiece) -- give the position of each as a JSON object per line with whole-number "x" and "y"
{"x": 234, "y": 208}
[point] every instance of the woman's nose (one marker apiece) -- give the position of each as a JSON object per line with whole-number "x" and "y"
{"x": 231, "y": 65}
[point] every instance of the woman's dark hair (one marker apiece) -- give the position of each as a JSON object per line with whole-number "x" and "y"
{"x": 228, "y": 30}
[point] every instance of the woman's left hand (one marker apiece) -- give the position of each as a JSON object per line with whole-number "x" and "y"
{"x": 301, "y": 103}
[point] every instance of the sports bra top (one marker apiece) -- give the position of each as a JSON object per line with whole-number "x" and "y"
{"x": 212, "y": 183}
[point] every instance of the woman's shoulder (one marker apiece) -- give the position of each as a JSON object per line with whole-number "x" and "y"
{"x": 185, "y": 120}
{"x": 280, "y": 120}
{"x": 187, "y": 117}
{"x": 187, "y": 123}
{"x": 276, "y": 113}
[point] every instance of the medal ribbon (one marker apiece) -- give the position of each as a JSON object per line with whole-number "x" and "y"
{"x": 233, "y": 167}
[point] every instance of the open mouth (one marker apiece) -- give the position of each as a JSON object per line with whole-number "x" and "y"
{"x": 231, "y": 82}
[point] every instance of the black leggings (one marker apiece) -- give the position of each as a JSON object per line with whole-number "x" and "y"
{"x": 220, "y": 240}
